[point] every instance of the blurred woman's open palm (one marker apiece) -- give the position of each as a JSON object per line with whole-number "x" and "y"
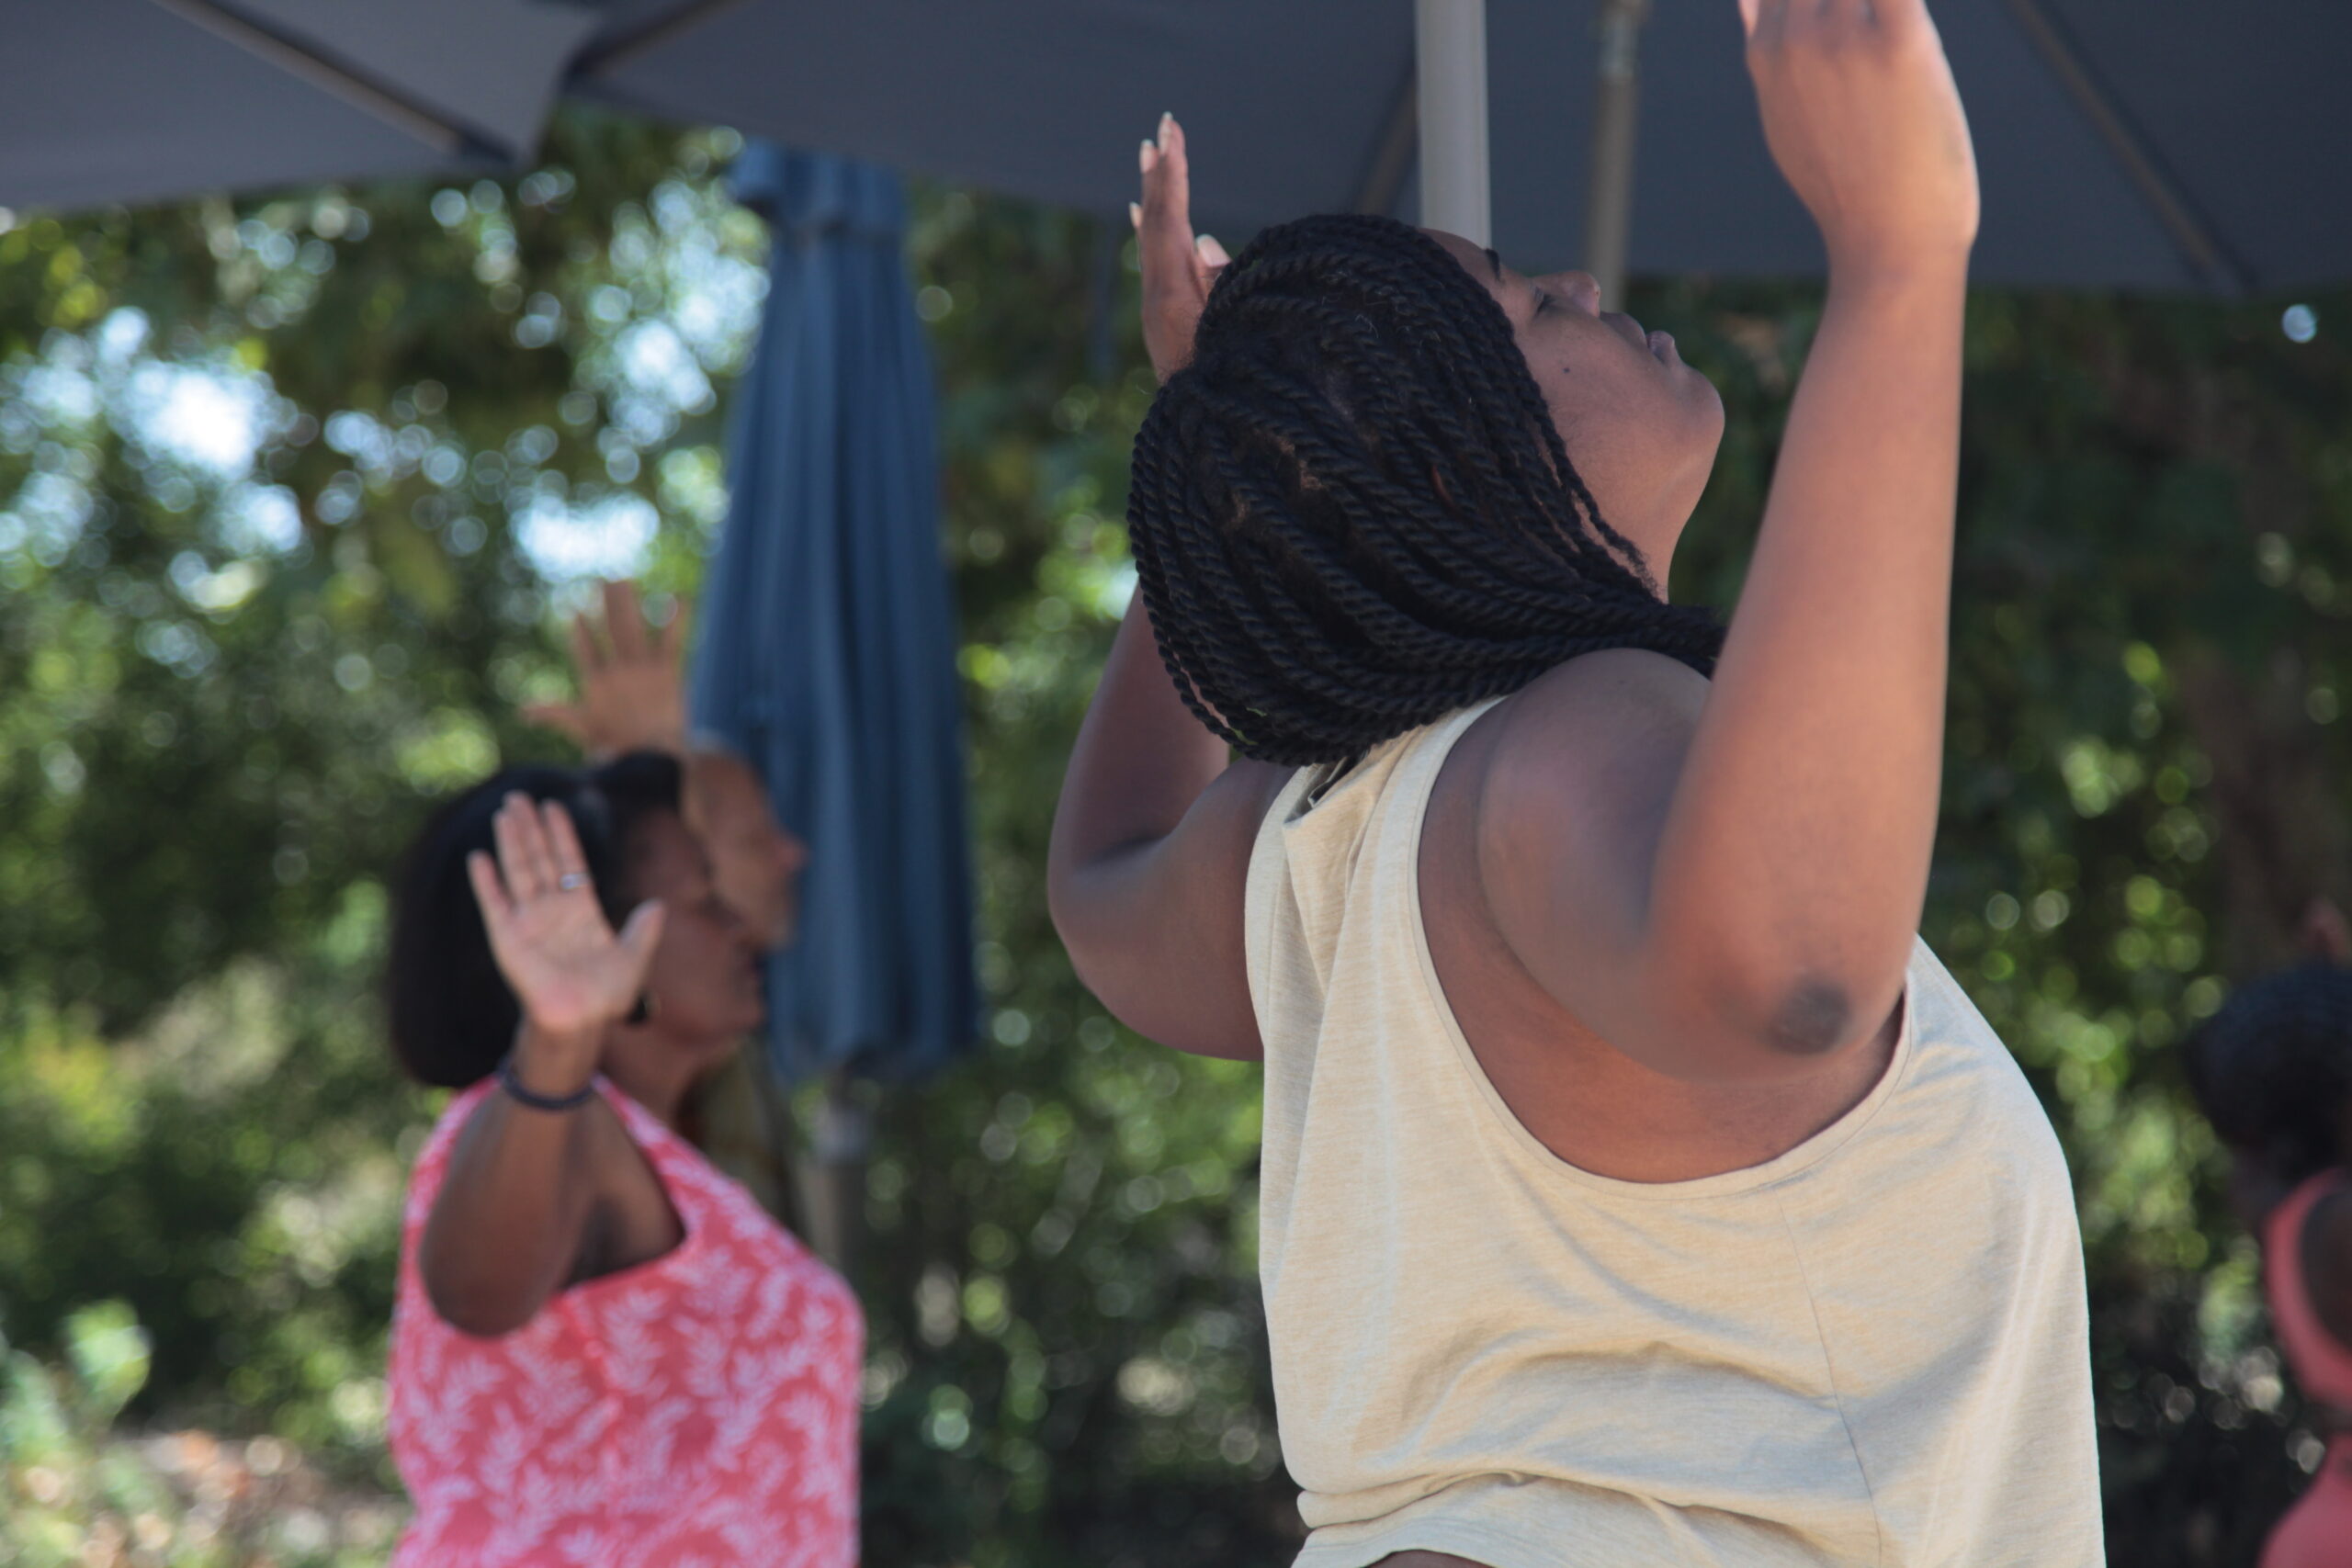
{"x": 566, "y": 968}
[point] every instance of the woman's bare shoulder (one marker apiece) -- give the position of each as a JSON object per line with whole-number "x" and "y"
{"x": 1599, "y": 726}
{"x": 1633, "y": 683}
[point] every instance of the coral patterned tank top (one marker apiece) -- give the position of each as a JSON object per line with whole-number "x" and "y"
{"x": 2317, "y": 1531}
{"x": 698, "y": 1409}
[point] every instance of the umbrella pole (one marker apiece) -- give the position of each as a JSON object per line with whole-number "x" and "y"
{"x": 1450, "y": 65}
{"x": 833, "y": 1175}
{"x": 1609, "y": 205}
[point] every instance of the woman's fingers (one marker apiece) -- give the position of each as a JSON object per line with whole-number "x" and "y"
{"x": 513, "y": 864}
{"x": 624, "y": 621}
{"x": 496, "y": 907}
{"x": 563, "y": 849}
{"x": 1177, "y": 270}
{"x": 640, "y": 934}
{"x": 673, "y": 636}
{"x": 523, "y": 856}
{"x": 1167, "y": 224}
{"x": 1175, "y": 173}
{"x": 1900, "y": 16}
{"x": 586, "y": 656}
{"x": 531, "y": 831}
{"x": 568, "y": 718}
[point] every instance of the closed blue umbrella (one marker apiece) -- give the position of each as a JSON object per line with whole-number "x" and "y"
{"x": 827, "y": 653}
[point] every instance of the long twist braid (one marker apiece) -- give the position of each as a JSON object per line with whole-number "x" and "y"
{"x": 1352, "y": 514}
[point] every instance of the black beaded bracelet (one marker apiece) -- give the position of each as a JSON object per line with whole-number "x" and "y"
{"x": 514, "y": 1086}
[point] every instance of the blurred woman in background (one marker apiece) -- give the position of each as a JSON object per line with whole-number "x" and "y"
{"x": 603, "y": 1350}
{"x": 2273, "y": 1072}
{"x": 629, "y": 695}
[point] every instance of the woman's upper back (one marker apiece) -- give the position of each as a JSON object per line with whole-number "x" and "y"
{"x": 698, "y": 1407}
{"x": 1870, "y": 1346}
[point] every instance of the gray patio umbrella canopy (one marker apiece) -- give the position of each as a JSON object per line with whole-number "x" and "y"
{"x": 826, "y": 650}
{"x": 140, "y": 100}
{"x": 2153, "y": 143}
{"x": 2163, "y": 143}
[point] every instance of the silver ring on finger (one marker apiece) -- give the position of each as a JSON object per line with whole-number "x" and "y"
{"x": 571, "y": 881}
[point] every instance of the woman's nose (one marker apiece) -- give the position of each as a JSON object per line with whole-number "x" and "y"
{"x": 791, "y": 851}
{"x": 1580, "y": 288}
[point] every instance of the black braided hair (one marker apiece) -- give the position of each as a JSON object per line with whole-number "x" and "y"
{"x": 2273, "y": 1069}
{"x": 1352, "y": 514}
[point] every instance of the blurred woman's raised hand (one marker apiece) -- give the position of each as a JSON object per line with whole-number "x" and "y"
{"x": 1863, "y": 118}
{"x": 632, "y": 680}
{"x": 570, "y": 974}
{"x": 1179, "y": 268}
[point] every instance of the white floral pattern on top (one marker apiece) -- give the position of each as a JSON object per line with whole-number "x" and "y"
{"x": 697, "y": 1411}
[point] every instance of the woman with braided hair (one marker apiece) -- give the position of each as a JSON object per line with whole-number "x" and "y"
{"x": 2273, "y": 1071}
{"x": 1637, "y": 1188}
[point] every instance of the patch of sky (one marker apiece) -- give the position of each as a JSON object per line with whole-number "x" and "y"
{"x": 647, "y": 422}
{"x": 675, "y": 208}
{"x": 258, "y": 519}
{"x": 46, "y": 516}
{"x": 215, "y": 592}
{"x": 659, "y": 364}
{"x": 632, "y": 248}
{"x": 121, "y": 336}
{"x": 360, "y": 436}
{"x": 57, "y": 390}
{"x": 718, "y": 307}
{"x": 202, "y": 418}
{"x": 607, "y": 537}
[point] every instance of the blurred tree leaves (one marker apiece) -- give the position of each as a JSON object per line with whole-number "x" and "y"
{"x": 234, "y": 674}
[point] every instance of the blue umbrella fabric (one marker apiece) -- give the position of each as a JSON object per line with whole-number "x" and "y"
{"x": 143, "y": 100}
{"x": 827, "y": 641}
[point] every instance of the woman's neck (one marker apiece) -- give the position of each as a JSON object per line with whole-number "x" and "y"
{"x": 658, "y": 1073}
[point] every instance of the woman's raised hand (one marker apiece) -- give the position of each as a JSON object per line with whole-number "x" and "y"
{"x": 1863, "y": 119}
{"x": 570, "y": 974}
{"x": 632, "y": 685}
{"x": 1178, "y": 269}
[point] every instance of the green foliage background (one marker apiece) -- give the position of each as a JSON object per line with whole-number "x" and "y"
{"x": 229, "y": 688}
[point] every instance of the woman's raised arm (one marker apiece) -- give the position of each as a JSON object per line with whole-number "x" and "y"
{"x": 1778, "y": 839}
{"x": 1151, "y": 837}
{"x": 514, "y": 1205}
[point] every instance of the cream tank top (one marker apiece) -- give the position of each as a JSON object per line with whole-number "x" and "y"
{"x": 1871, "y": 1349}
